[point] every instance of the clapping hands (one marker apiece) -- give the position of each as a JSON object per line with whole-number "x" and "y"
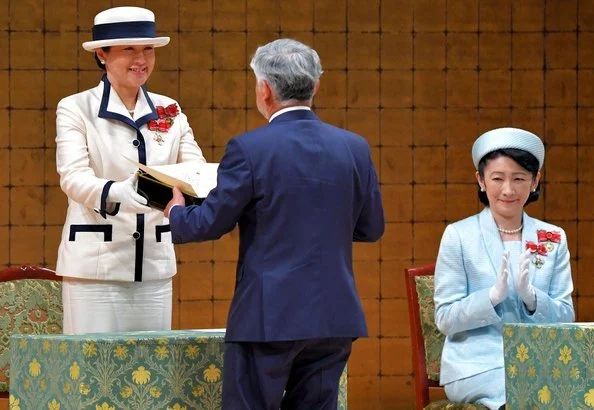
{"x": 522, "y": 283}
{"x": 500, "y": 289}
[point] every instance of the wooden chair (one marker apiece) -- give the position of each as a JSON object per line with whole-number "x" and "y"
{"x": 427, "y": 341}
{"x": 30, "y": 302}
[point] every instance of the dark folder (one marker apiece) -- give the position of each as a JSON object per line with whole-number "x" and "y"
{"x": 159, "y": 194}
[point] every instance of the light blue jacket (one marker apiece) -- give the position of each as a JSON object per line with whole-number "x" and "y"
{"x": 467, "y": 265}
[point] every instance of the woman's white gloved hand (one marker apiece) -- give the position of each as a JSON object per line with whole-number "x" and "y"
{"x": 523, "y": 287}
{"x": 125, "y": 193}
{"x": 500, "y": 289}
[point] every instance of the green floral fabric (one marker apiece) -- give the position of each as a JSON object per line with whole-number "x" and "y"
{"x": 434, "y": 340}
{"x": 448, "y": 405}
{"x": 29, "y": 306}
{"x": 432, "y": 337}
{"x": 175, "y": 370}
{"x": 549, "y": 365}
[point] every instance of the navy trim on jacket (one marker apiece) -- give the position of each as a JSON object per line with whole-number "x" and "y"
{"x": 103, "y": 207}
{"x": 103, "y": 113}
{"x": 160, "y": 230}
{"x": 106, "y": 229}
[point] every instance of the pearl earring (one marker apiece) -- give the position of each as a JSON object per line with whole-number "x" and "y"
{"x": 102, "y": 62}
{"x": 482, "y": 189}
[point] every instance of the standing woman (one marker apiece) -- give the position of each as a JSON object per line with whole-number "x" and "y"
{"x": 499, "y": 266}
{"x": 116, "y": 255}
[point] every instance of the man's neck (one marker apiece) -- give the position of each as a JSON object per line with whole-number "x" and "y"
{"x": 288, "y": 108}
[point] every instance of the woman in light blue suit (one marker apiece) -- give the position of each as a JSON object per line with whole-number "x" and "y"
{"x": 497, "y": 267}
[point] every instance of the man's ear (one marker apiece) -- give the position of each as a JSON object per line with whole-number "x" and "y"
{"x": 266, "y": 90}
{"x": 316, "y": 88}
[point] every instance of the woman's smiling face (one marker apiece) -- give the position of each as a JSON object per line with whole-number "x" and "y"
{"x": 507, "y": 185}
{"x": 128, "y": 66}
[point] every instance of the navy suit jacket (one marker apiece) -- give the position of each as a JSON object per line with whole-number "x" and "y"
{"x": 301, "y": 191}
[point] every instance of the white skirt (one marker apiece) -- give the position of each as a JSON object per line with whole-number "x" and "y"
{"x": 94, "y": 306}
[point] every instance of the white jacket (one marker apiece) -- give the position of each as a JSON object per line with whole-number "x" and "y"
{"x": 94, "y": 130}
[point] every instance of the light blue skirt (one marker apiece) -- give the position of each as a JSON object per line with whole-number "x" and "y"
{"x": 487, "y": 388}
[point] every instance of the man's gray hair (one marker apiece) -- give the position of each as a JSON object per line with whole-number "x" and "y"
{"x": 291, "y": 68}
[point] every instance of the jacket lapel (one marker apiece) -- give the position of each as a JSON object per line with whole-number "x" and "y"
{"x": 491, "y": 238}
{"x": 116, "y": 106}
{"x": 113, "y": 108}
{"x": 494, "y": 244}
{"x": 144, "y": 110}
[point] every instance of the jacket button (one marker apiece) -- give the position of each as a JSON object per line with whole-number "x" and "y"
{"x": 136, "y": 143}
{"x": 136, "y": 235}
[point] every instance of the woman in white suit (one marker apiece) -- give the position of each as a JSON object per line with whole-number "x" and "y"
{"x": 499, "y": 266}
{"x": 116, "y": 255}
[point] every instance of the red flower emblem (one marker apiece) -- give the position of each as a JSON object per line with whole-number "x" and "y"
{"x": 548, "y": 236}
{"x": 171, "y": 110}
{"x": 165, "y": 120}
{"x": 536, "y": 248}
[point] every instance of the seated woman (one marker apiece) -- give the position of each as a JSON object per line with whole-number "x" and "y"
{"x": 499, "y": 266}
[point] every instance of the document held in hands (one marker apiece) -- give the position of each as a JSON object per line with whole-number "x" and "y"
{"x": 195, "y": 180}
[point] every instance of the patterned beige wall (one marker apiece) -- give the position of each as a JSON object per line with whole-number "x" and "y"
{"x": 419, "y": 79}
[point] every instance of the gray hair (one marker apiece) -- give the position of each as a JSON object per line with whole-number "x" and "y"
{"x": 291, "y": 68}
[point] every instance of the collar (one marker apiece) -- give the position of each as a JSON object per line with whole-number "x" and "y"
{"x": 492, "y": 238}
{"x": 112, "y": 106}
{"x": 287, "y": 109}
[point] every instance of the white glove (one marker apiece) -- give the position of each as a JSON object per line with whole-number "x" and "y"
{"x": 125, "y": 193}
{"x": 523, "y": 287}
{"x": 500, "y": 289}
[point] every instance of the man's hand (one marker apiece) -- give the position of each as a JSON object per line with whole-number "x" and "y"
{"x": 178, "y": 199}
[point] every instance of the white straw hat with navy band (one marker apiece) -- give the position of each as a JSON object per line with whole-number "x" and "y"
{"x": 501, "y": 138}
{"x": 125, "y": 26}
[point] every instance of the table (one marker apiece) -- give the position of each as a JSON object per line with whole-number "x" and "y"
{"x": 177, "y": 370}
{"x": 549, "y": 365}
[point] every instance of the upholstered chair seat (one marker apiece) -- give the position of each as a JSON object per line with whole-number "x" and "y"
{"x": 30, "y": 303}
{"x": 427, "y": 341}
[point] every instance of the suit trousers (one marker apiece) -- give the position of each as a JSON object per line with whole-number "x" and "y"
{"x": 291, "y": 375}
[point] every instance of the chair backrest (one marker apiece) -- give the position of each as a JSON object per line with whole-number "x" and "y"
{"x": 427, "y": 341}
{"x": 30, "y": 302}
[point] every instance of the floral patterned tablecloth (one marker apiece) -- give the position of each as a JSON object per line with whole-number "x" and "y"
{"x": 549, "y": 366}
{"x": 177, "y": 370}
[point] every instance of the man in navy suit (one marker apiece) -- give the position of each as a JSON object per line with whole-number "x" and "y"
{"x": 301, "y": 191}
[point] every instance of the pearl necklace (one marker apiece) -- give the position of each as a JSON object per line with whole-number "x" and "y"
{"x": 510, "y": 231}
